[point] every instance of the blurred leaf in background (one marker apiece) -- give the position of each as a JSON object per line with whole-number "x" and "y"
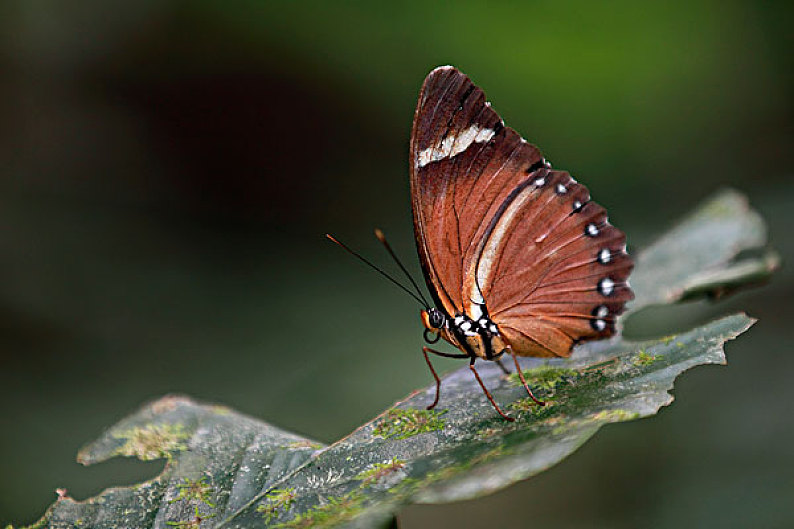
{"x": 167, "y": 170}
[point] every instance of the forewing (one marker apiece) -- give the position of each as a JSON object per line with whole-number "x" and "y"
{"x": 464, "y": 164}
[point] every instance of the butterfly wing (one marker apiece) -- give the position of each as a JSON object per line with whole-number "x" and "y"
{"x": 499, "y": 233}
{"x": 464, "y": 163}
{"x": 554, "y": 271}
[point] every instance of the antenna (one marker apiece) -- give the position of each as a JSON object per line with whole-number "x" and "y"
{"x": 381, "y": 272}
{"x": 382, "y": 238}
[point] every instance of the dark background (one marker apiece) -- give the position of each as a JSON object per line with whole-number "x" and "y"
{"x": 168, "y": 170}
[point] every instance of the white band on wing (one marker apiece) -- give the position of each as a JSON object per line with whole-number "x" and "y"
{"x": 453, "y": 145}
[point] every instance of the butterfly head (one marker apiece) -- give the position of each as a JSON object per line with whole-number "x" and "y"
{"x": 434, "y": 320}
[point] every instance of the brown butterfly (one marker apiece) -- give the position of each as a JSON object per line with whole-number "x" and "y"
{"x": 516, "y": 256}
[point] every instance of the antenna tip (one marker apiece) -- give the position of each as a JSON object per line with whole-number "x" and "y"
{"x": 379, "y": 235}
{"x": 331, "y": 238}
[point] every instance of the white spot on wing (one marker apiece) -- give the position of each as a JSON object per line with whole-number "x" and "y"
{"x": 483, "y": 135}
{"x": 606, "y": 286}
{"x": 424, "y": 157}
{"x": 453, "y": 144}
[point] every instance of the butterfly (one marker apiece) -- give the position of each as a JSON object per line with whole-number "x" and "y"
{"x": 517, "y": 258}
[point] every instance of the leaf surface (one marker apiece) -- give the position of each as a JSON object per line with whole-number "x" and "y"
{"x": 225, "y": 469}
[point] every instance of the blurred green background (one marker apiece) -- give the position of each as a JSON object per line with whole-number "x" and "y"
{"x": 168, "y": 170}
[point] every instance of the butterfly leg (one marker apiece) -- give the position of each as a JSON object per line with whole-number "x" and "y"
{"x": 488, "y": 393}
{"x": 524, "y": 381}
{"x": 435, "y": 375}
{"x": 502, "y": 366}
{"x": 426, "y": 350}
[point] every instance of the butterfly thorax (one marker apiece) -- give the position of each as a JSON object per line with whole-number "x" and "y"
{"x": 476, "y": 337}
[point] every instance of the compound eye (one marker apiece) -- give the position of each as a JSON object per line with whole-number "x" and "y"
{"x": 436, "y": 319}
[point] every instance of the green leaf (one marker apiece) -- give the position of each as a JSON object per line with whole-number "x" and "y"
{"x": 228, "y": 470}
{"x": 697, "y": 256}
